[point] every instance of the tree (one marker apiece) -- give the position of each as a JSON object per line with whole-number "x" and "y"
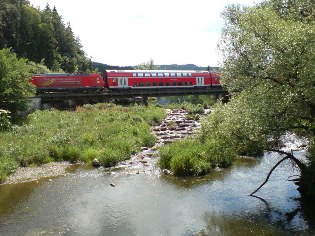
{"x": 147, "y": 66}
{"x": 15, "y": 88}
{"x": 41, "y": 36}
{"x": 269, "y": 55}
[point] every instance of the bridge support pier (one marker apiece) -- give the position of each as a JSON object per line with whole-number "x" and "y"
{"x": 35, "y": 104}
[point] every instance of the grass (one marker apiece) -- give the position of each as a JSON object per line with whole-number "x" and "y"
{"x": 191, "y": 157}
{"x": 107, "y": 132}
{"x": 198, "y": 155}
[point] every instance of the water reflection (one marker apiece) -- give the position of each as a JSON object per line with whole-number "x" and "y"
{"x": 219, "y": 224}
{"x": 84, "y": 203}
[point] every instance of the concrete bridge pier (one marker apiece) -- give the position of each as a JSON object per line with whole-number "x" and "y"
{"x": 35, "y": 104}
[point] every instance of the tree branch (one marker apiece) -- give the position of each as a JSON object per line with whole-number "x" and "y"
{"x": 301, "y": 165}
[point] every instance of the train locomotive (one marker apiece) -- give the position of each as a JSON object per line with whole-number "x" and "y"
{"x": 125, "y": 79}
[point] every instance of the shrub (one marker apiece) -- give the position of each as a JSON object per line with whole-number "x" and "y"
{"x": 5, "y": 123}
{"x": 7, "y": 166}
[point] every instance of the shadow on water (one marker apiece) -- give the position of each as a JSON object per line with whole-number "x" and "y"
{"x": 267, "y": 221}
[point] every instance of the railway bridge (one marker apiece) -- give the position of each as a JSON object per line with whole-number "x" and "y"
{"x": 70, "y": 99}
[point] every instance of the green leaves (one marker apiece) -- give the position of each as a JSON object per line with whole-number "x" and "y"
{"x": 15, "y": 88}
{"x": 41, "y": 36}
{"x": 269, "y": 54}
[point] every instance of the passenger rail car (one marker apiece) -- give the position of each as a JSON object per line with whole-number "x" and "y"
{"x": 68, "y": 82}
{"x": 150, "y": 79}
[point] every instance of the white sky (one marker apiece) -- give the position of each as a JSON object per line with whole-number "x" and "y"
{"x": 130, "y": 32}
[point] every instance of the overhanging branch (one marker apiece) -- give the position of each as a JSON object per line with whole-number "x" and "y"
{"x": 290, "y": 156}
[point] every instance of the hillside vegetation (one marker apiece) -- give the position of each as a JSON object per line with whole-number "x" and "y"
{"x": 41, "y": 36}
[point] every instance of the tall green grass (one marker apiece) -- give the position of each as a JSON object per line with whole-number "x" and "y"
{"x": 107, "y": 132}
{"x": 192, "y": 157}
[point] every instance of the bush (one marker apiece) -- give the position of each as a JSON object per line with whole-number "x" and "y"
{"x": 7, "y": 166}
{"x": 15, "y": 88}
{"x": 5, "y": 123}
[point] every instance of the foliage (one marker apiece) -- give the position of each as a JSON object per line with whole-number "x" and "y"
{"x": 5, "y": 123}
{"x": 189, "y": 107}
{"x": 147, "y": 66}
{"x": 206, "y": 100}
{"x": 269, "y": 55}
{"x": 107, "y": 132}
{"x": 14, "y": 84}
{"x": 41, "y": 36}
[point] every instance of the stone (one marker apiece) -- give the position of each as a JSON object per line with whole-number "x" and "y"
{"x": 166, "y": 172}
{"x": 96, "y": 163}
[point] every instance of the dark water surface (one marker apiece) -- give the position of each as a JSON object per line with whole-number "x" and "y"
{"x": 84, "y": 203}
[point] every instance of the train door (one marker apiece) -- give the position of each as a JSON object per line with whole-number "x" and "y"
{"x": 200, "y": 81}
{"x": 122, "y": 82}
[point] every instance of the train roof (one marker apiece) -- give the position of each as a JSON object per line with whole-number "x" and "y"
{"x": 159, "y": 71}
{"x": 64, "y": 74}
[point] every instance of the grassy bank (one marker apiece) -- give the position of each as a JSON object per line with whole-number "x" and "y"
{"x": 198, "y": 155}
{"x": 192, "y": 157}
{"x": 107, "y": 132}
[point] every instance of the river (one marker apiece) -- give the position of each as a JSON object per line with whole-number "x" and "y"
{"x": 100, "y": 202}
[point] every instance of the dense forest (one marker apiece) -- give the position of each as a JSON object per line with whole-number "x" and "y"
{"x": 41, "y": 36}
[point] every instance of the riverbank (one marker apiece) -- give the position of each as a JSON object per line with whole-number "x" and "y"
{"x": 175, "y": 126}
{"x": 108, "y": 132}
{"x": 28, "y": 174}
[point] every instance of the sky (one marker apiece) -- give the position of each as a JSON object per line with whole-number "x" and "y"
{"x": 131, "y": 32}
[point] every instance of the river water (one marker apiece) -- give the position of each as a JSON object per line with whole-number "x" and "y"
{"x": 97, "y": 202}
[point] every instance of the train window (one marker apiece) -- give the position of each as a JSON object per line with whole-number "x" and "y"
{"x": 179, "y": 74}
{"x": 186, "y": 83}
{"x": 148, "y": 84}
{"x": 134, "y": 74}
{"x": 180, "y": 84}
{"x": 167, "y": 84}
{"x": 173, "y": 83}
{"x": 153, "y": 74}
{"x": 173, "y": 74}
{"x": 114, "y": 80}
{"x": 140, "y": 74}
{"x": 141, "y": 84}
{"x": 167, "y": 74}
{"x": 160, "y": 74}
{"x": 189, "y": 74}
{"x": 185, "y": 74}
{"x": 147, "y": 75}
{"x": 161, "y": 84}
{"x": 153, "y": 84}
{"x": 135, "y": 85}
{"x": 190, "y": 83}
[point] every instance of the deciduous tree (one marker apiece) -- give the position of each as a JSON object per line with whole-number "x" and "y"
{"x": 15, "y": 88}
{"x": 269, "y": 55}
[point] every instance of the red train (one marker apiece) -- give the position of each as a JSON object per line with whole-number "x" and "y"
{"x": 126, "y": 79}
{"x": 68, "y": 82}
